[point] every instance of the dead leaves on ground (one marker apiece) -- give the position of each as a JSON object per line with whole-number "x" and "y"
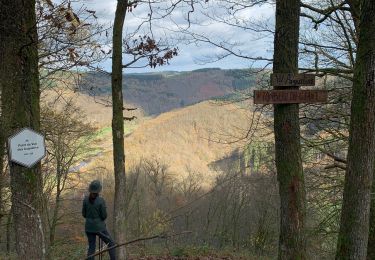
{"x": 187, "y": 258}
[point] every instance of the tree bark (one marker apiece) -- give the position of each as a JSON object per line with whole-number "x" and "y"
{"x": 292, "y": 243}
{"x": 2, "y": 160}
{"x": 118, "y": 130}
{"x": 354, "y": 226}
{"x": 8, "y": 228}
{"x": 19, "y": 81}
{"x": 371, "y": 238}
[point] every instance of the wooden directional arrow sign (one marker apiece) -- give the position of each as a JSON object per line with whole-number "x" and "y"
{"x": 289, "y": 79}
{"x": 290, "y": 96}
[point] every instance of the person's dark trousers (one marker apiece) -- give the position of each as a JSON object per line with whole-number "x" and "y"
{"x": 103, "y": 235}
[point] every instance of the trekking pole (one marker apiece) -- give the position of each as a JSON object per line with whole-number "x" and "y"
{"x": 100, "y": 248}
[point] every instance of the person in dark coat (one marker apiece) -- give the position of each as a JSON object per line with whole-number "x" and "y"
{"x": 95, "y": 212}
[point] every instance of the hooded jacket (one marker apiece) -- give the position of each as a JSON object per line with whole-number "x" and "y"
{"x": 95, "y": 214}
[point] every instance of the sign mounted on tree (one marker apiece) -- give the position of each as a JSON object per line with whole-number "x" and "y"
{"x": 290, "y": 96}
{"x": 290, "y": 79}
{"x": 26, "y": 147}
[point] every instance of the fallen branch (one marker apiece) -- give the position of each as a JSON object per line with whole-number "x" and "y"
{"x": 335, "y": 165}
{"x": 164, "y": 236}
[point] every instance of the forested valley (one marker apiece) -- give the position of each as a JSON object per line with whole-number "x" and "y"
{"x": 186, "y": 129}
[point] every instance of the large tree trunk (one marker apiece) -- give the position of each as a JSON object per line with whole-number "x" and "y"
{"x": 354, "y": 227}
{"x": 287, "y": 137}
{"x": 2, "y": 160}
{"x": 371, "y": 239}
{"x": 118, "y": 129}
{"x": 20, "y": 92}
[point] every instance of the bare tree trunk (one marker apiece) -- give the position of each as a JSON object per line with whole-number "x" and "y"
{"x": 3, "y": 134}
{"x": 292, "y": 243}
{"x": 371, "y": 239}
{"x": 2, "y": 170}
{"x": 118, "y": 130}
{"x": 354, "y": 226}
{"x": 20, "y": 91}
{"x": 55, "y": 217}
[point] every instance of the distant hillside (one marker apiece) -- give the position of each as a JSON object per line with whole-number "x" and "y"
{"x": 186, "y": 139}
{"x": 183, "y": 132}
{"x": 93, "y": 108}
{"x": 157, "y": 93}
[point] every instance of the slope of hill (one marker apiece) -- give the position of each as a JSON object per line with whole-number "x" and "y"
{"x": 186, "y": 139}
{"x": 96, "y": 109}
{"x": 156, "y": 93}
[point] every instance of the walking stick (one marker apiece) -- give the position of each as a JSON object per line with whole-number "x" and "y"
{"x": 100, "y": 248}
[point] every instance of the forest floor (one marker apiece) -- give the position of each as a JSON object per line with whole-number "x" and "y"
{"x": 187, "y": 258}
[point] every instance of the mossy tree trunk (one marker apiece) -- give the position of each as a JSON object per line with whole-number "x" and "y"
{"x": 19, "y": 81}
{"x": 2, "y": 162}
{"x": 354, "y": 226}
{"x": 287, "y": 137}
{"x": 118, "y": 130}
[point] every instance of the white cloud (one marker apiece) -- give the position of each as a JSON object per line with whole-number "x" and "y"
{"x": 248, "y": 41}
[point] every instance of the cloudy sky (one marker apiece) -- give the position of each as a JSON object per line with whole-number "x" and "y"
{"x": 248, "y": 35}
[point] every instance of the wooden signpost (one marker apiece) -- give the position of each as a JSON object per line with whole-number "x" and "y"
{"x": 291, "y": 96}
{"x": 289, "y": 79}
